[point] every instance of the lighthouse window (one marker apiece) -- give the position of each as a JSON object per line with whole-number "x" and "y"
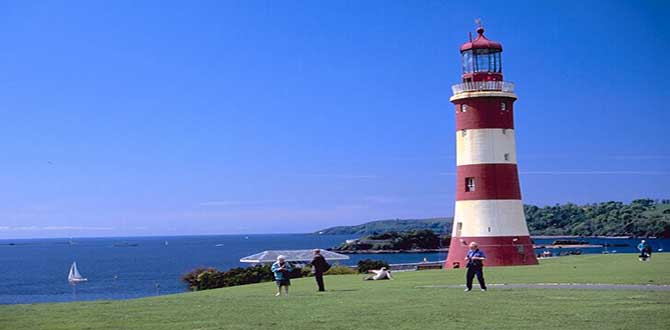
{"x": 464, "y": 108}
{"x": 503, "y": 106}
{"x": 467, "y": 62}
{"x": 506, "y": 156}
{"x": 486, "y": 60}
{"x": 464, "y": 132}
{"x": 482, "y": 63}
{"x": 504, "y": 131}
{"x": 469, "y": 184}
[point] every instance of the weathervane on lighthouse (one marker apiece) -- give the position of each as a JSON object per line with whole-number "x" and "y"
{"x": 488, "y": 209}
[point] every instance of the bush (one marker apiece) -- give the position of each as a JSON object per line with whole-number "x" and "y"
{"x": 340, "y": 270}
{"x": 296, "y": 272}
{"x": 211, "y": 278}
{"x": 305, "y": 272}
{"x": 191, "y": 278}
{"x": 369, "y": 264}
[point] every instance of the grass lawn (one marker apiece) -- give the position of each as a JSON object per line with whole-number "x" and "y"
{"x": 352, "y": 303}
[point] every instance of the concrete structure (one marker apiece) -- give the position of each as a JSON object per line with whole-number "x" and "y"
{"x": 296, "y": 256}
{"x": 488, "y": 209}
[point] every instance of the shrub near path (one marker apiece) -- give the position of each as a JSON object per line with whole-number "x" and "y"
{"x": 400, "y": 304}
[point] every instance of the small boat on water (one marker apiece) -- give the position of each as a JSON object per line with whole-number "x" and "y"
{"x": 74, "y": 276}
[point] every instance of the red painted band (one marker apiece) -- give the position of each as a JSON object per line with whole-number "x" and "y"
{"x": 482, "y": 76}
{"x": 491, "y": 181}
{"x": 499, "y": 251}
{"x": 484, "y": 112}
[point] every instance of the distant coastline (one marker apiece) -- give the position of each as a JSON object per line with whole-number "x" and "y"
{"x": 391, "y": 251}
{"x": 639, "y": 218}
{"x": 580, "y": 236}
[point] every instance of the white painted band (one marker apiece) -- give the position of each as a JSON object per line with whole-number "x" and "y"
{"x": 485, "y": 146}
{"x": 500, "y": 217}
{"x": 468, "y": 95}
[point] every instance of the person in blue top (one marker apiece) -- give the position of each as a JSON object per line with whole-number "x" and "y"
{"x": 282, "y": 270}
{"x": 645, "y": 250}
{"x": 475, "y": 258}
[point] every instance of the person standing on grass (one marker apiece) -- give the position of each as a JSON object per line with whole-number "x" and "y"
{"x": 282, "y": 270}
{"x": 645, "y": 250}
{"x": 475, "y": 258}
{"x": 648, "y": 250}
{"x": 319, "y": 267}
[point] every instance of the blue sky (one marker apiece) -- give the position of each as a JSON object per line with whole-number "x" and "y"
{"x": 224, "y": 117}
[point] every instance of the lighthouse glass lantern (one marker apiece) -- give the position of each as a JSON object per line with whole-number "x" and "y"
{"x": 488, "y": 208}
{"x": 482, "y": 60}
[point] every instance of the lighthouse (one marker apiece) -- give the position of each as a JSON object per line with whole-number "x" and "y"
{"x": 488, "y": 208}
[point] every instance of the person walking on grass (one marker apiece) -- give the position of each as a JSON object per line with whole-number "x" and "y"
{"x": 319, "y": 267}
{"x": 282, "y": 270}
{"x": 475, "y": 258}
{"x": 645, "y": 250}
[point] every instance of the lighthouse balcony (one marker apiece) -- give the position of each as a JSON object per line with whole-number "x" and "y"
{"x": 483, "y": 86}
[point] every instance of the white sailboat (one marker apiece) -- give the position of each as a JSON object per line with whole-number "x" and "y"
{"x": 74, "y": 276}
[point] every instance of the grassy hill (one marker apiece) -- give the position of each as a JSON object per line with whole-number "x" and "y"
{"x": 404, "y": 303}
{"x": 437, "y": 225}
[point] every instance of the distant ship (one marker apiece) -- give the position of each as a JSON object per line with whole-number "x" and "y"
{"x": 74, "y": 276}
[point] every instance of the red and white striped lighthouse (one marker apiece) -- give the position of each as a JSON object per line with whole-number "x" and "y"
{"x": 488, "y": 208}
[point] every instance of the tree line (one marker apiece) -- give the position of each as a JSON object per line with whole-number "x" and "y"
{"x": 641, "y": 217}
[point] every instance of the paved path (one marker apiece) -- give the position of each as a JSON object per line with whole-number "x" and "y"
{"x": 578, "y": 286}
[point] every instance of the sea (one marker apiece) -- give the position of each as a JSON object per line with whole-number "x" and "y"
{"x": 36, "y": 270}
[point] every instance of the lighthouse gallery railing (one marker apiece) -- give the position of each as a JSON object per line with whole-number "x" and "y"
{"x": 476, "y": 86}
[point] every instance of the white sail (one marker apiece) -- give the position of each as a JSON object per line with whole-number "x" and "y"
{"x": 74, "y": 275}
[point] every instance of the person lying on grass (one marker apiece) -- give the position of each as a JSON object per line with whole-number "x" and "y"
{"x": 382, "y": 274}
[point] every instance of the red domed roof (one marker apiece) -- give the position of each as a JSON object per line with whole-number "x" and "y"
{"x": 481, "y": 42}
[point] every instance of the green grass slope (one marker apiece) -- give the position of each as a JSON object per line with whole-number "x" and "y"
{"x": 352, "y": 303}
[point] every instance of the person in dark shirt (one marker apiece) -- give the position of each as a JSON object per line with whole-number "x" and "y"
{"x": 319, "y": 266}
{"x": 645, "y": 250}
{"x": 475, "y": 258}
